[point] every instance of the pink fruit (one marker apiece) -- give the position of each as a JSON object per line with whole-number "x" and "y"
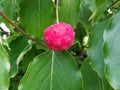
{"x": 59, "y": 36}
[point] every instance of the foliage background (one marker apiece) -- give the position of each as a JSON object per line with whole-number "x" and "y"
{"x": 92, "y": 63}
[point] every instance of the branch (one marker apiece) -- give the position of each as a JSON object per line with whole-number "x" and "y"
{"x": 19, "y": 29}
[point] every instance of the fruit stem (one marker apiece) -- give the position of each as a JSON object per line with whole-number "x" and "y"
{"x": 19, "y": 29}
{"x": 57, "y": 17}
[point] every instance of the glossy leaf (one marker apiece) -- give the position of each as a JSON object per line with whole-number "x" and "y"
{"x": 112, "y": 52}
{"x": 17, "y": 50}
{"x": 36, "y": 15}
{"x": 91, "y": 80}
{"x": 4, "y": 69}
{"x": 68, "y": 12}
{"x": 50, "y": 71}
{"x": 95, "y": 52}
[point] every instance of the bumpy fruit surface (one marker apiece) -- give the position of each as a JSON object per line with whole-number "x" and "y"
{"x": 59, "y": 36}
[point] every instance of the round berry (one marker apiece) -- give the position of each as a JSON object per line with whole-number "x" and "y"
{"x": 59, "y": 36}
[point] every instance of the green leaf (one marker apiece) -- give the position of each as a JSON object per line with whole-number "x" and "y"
{"x": 4, "y": 69}
{"x": 115, "y": 5}
{"x": 102, "y": 6}
{"x": 112, "y": 52}
{"x": 97, "y": 7}
{"x": 52, "y": 71}
{"x": 91, "y": 80}
{"x": 10, "y": 8}
{"x": 36, "y": 15}
{"x": 99, "y": 11}
{"x": 28, "y": 57}
{"x": 95, "y": 52}
{"x": 18, "y": 48}
{"x": 10, "y": 12}
{"x": 13, "y": 37}
{"x": 68, "y": 11}
{"x": 84, "y": 15}
{"x": 95, "y": 47}
{"x": 90, "y": 4}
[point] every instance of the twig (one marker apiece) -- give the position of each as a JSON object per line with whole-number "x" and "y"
{"x": 57, "y": 17}
{"x": 19, "y": 29}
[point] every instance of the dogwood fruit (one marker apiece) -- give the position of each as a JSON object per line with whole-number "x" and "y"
{"x": 59, "y": 36}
